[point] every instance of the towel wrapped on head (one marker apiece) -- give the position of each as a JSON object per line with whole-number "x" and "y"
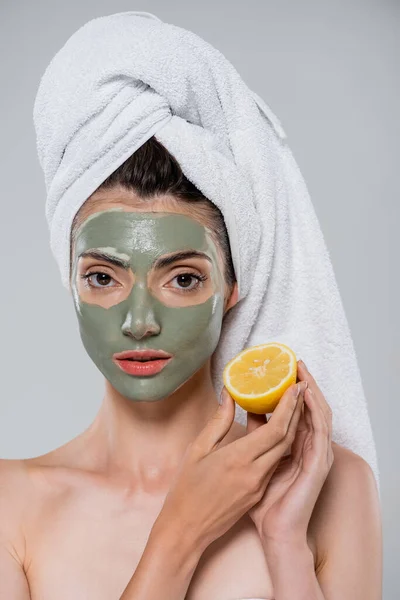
{"x": 122, "y": 78}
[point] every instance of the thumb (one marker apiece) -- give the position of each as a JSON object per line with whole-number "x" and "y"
{"x": 218, "y": 426}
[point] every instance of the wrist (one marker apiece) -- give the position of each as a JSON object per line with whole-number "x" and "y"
{"x": 295, "y": 553}
{"x": 176, "y": 542}
{"x": 291, "y": 567}
{"x": 289, "y": 545}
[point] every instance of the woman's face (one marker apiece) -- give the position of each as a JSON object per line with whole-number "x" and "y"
{"x": 126, "y": 299}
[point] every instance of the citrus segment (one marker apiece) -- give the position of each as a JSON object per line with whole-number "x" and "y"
{"x": 257, "y": 377}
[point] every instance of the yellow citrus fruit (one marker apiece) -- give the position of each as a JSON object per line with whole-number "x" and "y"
{"x": 257, "y": 377}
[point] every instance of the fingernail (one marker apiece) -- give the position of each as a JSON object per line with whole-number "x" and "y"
{"x": 304, "y": 365}
{"x": 303, "y": 385}
{"x": 297, "y": 390}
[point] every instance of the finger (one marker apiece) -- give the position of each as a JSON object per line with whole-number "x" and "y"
{"x": 272, "y": 433}
{"x": 303, "y": 430}
{"x": 304, "y": 375}
{"x": 327, "y": 414}
{"x": 254, "y": 420}
{"x": 319, "y": 425}
{"x": 266, "y": 436}
{"x": 275, "y": 453}
{"x": 217, "y": 427}
{"x": 317, "y": 413}
{"x": 321, "y": 439}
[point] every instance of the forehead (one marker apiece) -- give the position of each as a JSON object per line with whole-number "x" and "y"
{"x": 145, "y": 232}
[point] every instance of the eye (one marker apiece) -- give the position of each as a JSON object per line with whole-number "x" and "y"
{"x": 183, "y": 279}
{"x": 100, "y": 277}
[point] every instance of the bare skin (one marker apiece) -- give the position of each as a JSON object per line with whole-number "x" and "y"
{"x": 77, "y": 531}
{"x": 75, "y": 521}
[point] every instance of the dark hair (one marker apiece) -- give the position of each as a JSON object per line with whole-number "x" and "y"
{"x": 152, "y": 171}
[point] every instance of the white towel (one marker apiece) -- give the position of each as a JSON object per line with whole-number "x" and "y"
{"x": 122, "y": 78}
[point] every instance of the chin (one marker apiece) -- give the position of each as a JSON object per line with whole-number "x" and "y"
{"x": 138, "y": 391}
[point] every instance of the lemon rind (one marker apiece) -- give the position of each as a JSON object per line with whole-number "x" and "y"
{"x": 282, "y": 384}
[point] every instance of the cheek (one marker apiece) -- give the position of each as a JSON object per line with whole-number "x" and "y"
{"x": 195, "y": 328}
{"x": 98, "y": 324}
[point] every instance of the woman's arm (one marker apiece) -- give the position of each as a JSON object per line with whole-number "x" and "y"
{"x": 166, "y": 567}
{"x": 13, "y": 492}
{"x": 346, "y": 526}
{"x": 291, "y": 566}
{"x": 349, "y": 540}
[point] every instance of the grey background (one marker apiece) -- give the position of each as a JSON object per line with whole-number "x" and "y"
{"x": 329, "y": 70}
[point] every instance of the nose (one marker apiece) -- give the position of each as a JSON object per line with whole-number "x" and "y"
{"x": 140, "y": 319}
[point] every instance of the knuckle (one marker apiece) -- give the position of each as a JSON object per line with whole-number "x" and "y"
{"x": 254, "y": 482}
{"x": 257, "y": 496}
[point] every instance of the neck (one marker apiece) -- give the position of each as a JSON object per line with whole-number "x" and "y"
{"x": 146, "y": 441}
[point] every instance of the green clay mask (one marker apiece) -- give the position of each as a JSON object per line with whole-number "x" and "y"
{"x": 136, "y": 306}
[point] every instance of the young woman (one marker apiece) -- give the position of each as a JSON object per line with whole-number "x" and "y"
{"x": 165, "y": 495}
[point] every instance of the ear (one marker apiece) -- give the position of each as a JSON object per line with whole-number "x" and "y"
{"x": 232, "y": 300}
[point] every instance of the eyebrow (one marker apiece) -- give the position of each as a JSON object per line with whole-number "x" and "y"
{"x": 157, "y": 264}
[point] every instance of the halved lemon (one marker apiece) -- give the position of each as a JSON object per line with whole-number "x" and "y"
{"x": 257, "y": 377}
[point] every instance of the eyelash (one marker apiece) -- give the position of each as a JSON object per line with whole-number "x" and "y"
{"x": 200, "y": 278}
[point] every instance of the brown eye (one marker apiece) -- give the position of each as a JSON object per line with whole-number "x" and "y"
{"x": 186, "y": 279}
{"x": 102, "y": 279}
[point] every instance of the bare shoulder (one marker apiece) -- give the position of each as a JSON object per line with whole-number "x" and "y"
{"x": 14, "y": 499}
{"x": 20, "y": 487}
{"x": 346, "y": 461}
{"x": 14, "y": 482}
{"x": 25, "y": 486}
{"x": 349, "y": 473}
{"x": 349, "y": 494}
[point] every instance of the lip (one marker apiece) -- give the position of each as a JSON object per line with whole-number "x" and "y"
{"x": 141, "y": 369}
{"x": 138, "y": 354}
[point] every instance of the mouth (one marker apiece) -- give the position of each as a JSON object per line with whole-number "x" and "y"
{"x": 142, "y": 367}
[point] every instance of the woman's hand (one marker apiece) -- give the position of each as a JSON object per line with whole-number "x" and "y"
{"x": 284, "y": 512}
{"x": 216, "y": 484}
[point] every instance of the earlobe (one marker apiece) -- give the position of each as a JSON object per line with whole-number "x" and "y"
{"x": 233, "y": 298}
